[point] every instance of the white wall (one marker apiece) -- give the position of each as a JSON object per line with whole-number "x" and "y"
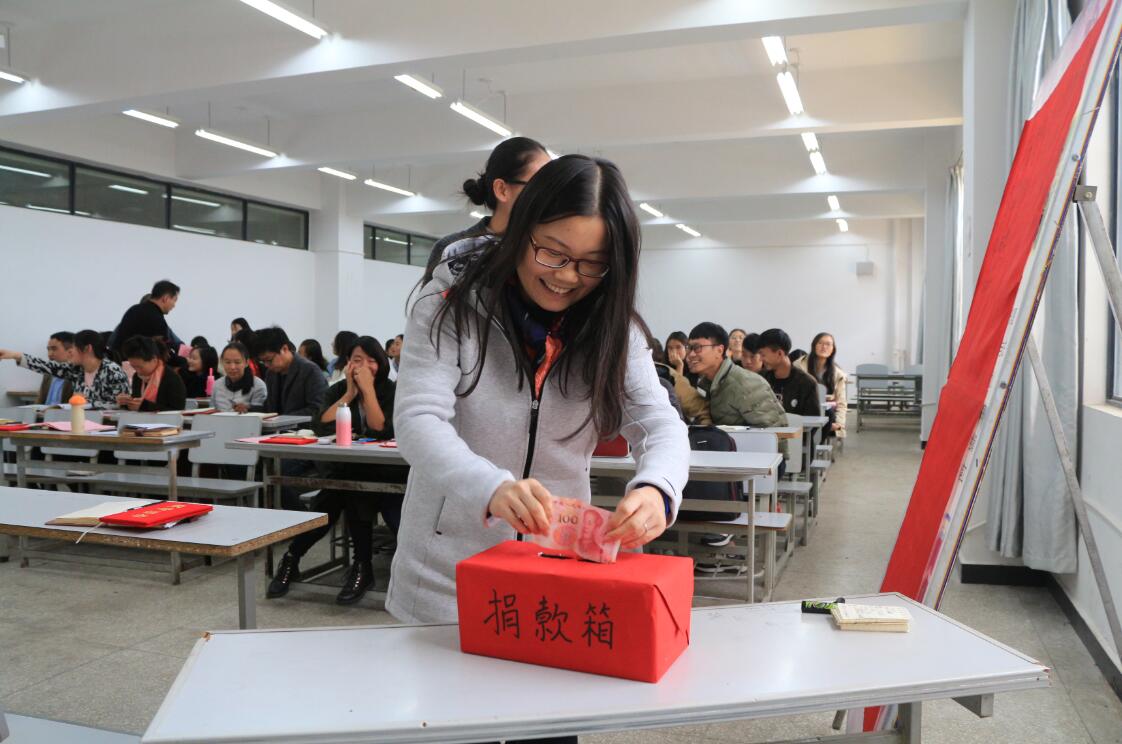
{"x": 64, "y": 272}
{"x": 802, "y": 289}
{"x": 386, "y": 290}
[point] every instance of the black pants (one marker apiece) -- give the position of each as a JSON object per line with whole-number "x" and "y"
{"x": 290, "y": 496}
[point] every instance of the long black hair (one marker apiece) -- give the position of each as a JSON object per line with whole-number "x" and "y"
{"x": 599, "y": 325}
{"x": 242, "y": 323}
{"x": 208, "y": 355}
{"x": 315, "y": 353}
{"x": 675, "y": 336}
{"x": 506, "y": 163}
{"x": 341, "y": 347}
{"x": 93, "y": 339}
{"x": 829, "y": 368}
{"x": 373, "y": 349}
{"x": 144, "y": 347}
{"x": 244, "y": 383}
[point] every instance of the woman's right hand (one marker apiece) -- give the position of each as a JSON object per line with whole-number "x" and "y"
{"x": 524, "y": 505}
{"x": 352, "y": 386}
{"x": 677, "y": 360}
{"x": 123, "y": 399}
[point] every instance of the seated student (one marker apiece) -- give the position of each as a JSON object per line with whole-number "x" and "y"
{"x": 236, "y": 325}
{"x": 54, "y": 390}
{"x": 155, "y": 387}
{"x": 796, "y": 355}
{"x": 239, "y": 389}
{"x": 201, "y": 362}
{"x": 821, "y": 366}
{"x": 737, "y": 397}
{"x": 736, "y": 345}
{"x": 93, "y": 376}
{"x": 695, "y": 408}
{"x": 750, "y": 354}
{"x": 343, "y": 341}
{"x": 199, "y": 341}
{"x": 313, "y": 352}
{"x": 248, "y": 339}
{"x": 369, "y": 393}
{"x": 795, "y": 388}
{"x": 295, "y": 388}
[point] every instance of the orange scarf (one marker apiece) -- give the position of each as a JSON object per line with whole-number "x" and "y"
{"x": 152, "y": 384}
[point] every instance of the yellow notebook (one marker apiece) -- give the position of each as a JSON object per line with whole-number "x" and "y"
{"x": 880, "y": 618}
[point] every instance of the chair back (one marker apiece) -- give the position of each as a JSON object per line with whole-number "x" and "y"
{"x": 58, "y": 414}
{"x": 22, "y": 414}
{"x": 213, "y": 451}
{"x": 135, "y": 417}
{"x": 795, "y": 446}
{"x": 757, "y": 441}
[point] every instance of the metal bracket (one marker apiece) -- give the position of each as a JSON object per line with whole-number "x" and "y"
{"x": 1085, "y": 194}
{"x": 979, "y": 705}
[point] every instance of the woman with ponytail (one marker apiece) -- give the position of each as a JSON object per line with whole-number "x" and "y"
{"x": 511, "y": 165}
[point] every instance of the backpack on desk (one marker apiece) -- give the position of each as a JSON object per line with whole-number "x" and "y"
{"x": 711, "y": 439}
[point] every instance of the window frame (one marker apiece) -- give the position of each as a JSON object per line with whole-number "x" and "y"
{"x": 409, "y": 236}
{"x": 1114, "y": 339}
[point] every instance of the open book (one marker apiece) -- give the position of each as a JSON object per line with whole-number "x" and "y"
{"x": 148, "y": 430}
{"x": 871, "y": 617}
{"x": 259, "y": 414}
{"x": 91, "y": 517}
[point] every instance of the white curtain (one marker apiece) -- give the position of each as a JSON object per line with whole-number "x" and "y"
{"x": 1029, "y": 508}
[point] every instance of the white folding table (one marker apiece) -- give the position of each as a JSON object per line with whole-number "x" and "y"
{"x": 228, "y": 531}
{"x": 744, "y": 662}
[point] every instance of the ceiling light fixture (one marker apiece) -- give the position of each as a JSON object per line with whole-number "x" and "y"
{"x": 200, "y": 230}
{"x": 650, "y": 210}
{"x": 818, "y": 162}
{"x": 776, "y": 52}
{"x": 387, "y": 187}
{"x": 48, "y": 209}
{"x": 790, "y": 92}
{"x": 337, "y": 173}
{"x": 163, "y": 121}
{"x": 423, "y": 87}
{"x": 200, "y": 202}
{"x": 810, "y": 141}
{"x": 688, "y": 230}
{"x": 231, "y": 142}
{"x": 832, "y": 200}
{"x": 843, "y": 226}
{"x": 480, "y": 118}
{"x": 288, "y": 17}
{"x": 13, "y": 77}
{"x": 477, "y": 214}
{"x": 128, "y": 189}
{"x": 25, "y": 171}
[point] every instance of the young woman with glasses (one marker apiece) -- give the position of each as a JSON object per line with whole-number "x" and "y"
{"x": 518, "y": 359}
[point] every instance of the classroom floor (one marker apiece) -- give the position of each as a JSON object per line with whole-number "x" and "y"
{"x": 101, "y": 647}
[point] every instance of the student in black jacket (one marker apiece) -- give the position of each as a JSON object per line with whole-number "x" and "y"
{"x": 155, "y": 386}
{"x": 369, "y": 394}
{"x": 796, "y": 390}
{"x": 296, "y": 388}
{"x": 146, "y": 318}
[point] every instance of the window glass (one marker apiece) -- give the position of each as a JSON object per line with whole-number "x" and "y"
{"x": 205, "y": 213}
{"x": 276, "y": 225}
{"x": 105, "y": 195}
{"x": 391, "y": 245}
{"x": 38, "y": 183}
{"x": 368, "y": 241}
{"x": 419, "y": 250}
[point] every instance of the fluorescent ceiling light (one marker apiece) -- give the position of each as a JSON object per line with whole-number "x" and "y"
{"x": 25, "y": 171}
{"x": 127, "y": 189}
{"x": 481, "y": 118}
{"x": 776, "y": 52}
{"x": 48, "y": 209}
{"x": 163, "y": 121}
{"x": 843, "y": 225}
{"x": 423, "y": 87}
{"x": 810, "y": 142}
{"x": 395, "y": 240}
{"x": 84, "y": 214}
{"x": 818, "y": 162}
{"x": 286, "y": 16}
{"x": 337, "y": 173}
{"x": 688, "y": 230}
{"x": 387, "y": 187}
{"x": 200, "y": 230}
{"x": 832, "y": 200}
{"x": 231, "y": 142}
{"x": 200, "y": 202}
{"x": 12, "y": 77}
{"x": 790, "y": 92}
{"x": 650, "y": 210}
{"x": 477, "y": 214}
{"x": 552, "y": 155}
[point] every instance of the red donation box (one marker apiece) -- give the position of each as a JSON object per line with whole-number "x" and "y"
{"x": 627, "y": 619}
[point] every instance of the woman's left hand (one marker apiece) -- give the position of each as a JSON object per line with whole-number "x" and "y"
{"x": 133, "y": 404}
{"x": 639, "y": 518}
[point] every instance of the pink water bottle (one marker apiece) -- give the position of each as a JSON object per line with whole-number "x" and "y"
{"x": 210, "y": 382}
{"x": 343, "y": 426}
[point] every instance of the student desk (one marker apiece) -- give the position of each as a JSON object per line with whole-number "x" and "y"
{"x": 725, "y": 467}
{"x": 268, "y": 425}
{"x": 744, "y": 662}
{"x": 227, "y": 532}
{"x": 108, "y": 441}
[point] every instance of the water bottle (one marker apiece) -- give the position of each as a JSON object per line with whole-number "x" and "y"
{"x": 210, "y": 382}
{"x": 77, "y": 414}
{"x": 343, "y": 426}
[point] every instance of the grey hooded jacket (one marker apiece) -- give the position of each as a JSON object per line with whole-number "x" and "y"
{"x": 463, "y": 448}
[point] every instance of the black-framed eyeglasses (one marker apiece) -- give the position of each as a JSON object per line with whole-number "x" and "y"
{"x": 696, "y": 348}
{"x": 557, "y": 260}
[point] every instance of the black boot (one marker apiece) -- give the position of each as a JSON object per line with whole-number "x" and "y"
{"x": 359, "y": 578}
{"x": 287, "y": 572}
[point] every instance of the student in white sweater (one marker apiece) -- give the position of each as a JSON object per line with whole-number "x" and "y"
{"x": 239, "y": 390}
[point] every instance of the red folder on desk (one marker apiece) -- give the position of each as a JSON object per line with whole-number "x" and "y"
{"x": 156, "y": 515}
{"x": 289, "y": 440}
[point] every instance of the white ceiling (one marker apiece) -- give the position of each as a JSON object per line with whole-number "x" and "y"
{"x": 679, "y": 93}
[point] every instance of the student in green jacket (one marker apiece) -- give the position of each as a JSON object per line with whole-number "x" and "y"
{"x": 736, "y": 396}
